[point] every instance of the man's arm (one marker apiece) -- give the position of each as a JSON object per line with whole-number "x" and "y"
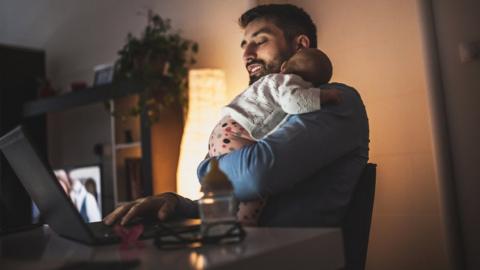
{"x": 299, "y": 148}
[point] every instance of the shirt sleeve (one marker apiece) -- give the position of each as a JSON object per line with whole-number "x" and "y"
{"x": 299, "y": 148}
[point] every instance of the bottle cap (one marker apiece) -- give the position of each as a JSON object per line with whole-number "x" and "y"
{"x": 215, "y": 181}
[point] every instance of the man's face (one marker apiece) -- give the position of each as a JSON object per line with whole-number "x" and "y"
{"x": 264, "y": 49}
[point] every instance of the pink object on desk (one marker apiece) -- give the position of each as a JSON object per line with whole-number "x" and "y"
{"x": 75, "y": 86}
{"x": 129, "y": 236}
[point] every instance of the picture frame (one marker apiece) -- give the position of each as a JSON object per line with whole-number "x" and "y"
{"x": 103, "y": 74}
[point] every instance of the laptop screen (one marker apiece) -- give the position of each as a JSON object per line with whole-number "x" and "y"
{"x": 82, "y": 184}
{"x": 43, "y": 186}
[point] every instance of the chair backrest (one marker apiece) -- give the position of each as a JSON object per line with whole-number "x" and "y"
{"x": 356, "y": 223}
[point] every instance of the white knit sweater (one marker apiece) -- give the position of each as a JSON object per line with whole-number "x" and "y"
{"x": 264, "y": 105}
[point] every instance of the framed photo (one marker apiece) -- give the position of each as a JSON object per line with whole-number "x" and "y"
{"x": 103, "y": 74}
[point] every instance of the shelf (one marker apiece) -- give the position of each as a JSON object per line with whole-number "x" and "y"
{"x": 82, "y": 97}
{"x": 128, "y": 145}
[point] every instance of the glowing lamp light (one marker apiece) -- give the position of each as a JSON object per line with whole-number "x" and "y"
{"x": 207, "y": 94}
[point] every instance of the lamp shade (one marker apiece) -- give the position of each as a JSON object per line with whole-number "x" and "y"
{"x": 207, "y": 94}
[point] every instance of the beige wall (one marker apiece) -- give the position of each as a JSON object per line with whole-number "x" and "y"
{"x": 93, "y": 31}
{"x": 77, "y": 35}
{"x": 457, "y": 22}
{"x": 375, "y": 46}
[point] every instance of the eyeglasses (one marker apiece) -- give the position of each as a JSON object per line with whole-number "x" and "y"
{"x": 167, "y": 238}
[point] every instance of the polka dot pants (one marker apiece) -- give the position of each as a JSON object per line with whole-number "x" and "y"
{"x": 228, "y": 136}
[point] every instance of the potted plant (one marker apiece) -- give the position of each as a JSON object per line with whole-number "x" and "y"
{"x": 160, "y": 58}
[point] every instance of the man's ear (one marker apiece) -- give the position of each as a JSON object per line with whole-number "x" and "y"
{"x": 301, "y": 42}
{"x": 283, "y": 67}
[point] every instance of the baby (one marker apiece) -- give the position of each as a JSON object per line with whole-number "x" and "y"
{"x": 265, "y": 104}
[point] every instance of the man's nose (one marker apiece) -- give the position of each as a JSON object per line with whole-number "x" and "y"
{"x": 249, "y": 53}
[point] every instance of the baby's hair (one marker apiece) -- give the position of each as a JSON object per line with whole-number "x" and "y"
{"x": 312, "y": 65}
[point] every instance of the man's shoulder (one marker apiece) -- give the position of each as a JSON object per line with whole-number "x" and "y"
{"x": 349, "y": 91}
{"x": 340, "y": 86}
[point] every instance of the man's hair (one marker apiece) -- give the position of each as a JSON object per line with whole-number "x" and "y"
{"x": 292, "y": 20}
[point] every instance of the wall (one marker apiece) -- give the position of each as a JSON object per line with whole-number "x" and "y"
{"x": 457, "y": 22}
{"x": 375, "y": 46}
{"x": 78, "y": 35}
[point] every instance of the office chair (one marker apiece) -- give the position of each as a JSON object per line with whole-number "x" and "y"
{"x": 356, "y": 223}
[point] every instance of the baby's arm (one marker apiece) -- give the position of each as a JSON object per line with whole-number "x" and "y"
{"x": 295, "y": 96}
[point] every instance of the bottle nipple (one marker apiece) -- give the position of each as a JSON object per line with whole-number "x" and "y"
{"x": 216, "y": 181}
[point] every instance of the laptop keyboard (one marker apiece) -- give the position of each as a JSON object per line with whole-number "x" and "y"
{"x": 100, "y": 230}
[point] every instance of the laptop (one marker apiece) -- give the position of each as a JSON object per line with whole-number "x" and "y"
{"x": 55, "y": 206}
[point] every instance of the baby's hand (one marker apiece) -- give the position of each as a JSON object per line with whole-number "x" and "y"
{"x": 330, "y": 96}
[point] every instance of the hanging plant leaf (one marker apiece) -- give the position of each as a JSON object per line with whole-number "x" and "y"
{"x": 159, "y": 59}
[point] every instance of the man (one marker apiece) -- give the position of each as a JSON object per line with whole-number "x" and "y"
{"x": 309, "y": 166}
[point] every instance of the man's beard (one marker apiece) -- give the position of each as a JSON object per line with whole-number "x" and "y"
{"x": 271, "y": 67}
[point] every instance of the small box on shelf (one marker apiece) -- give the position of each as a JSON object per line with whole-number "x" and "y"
{"x": 128, "y": 145}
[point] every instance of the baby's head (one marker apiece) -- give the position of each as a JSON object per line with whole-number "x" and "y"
{"x": 311, "y": 64}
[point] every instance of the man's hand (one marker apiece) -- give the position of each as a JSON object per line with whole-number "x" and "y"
{"x": 160, "y": 206}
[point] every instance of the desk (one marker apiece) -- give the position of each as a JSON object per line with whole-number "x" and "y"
{"x": 263, "y": 248}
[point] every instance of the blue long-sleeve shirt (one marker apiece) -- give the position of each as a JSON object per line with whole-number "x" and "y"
{"x": 308, "y": 167}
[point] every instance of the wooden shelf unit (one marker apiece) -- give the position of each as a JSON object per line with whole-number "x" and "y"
{"x": 120, "y": 95}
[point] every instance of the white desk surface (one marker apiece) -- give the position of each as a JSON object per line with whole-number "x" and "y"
{"x": 263, "y": 248}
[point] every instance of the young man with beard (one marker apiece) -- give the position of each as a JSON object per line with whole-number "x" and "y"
{"x": 309, "y": 166}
